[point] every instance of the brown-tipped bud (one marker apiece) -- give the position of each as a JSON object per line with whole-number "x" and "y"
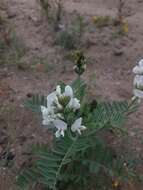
{"x": 80, "y": 62}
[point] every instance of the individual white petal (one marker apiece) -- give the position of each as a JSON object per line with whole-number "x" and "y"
{"x": 138, "y": 81}
{"x": 62, "y": 133}
{"x": 141, "y": 63}
{"x": 82, "y": 128}
{"x": 59, "y": 124}
{"x": 68, "y": 91}
{"x": 48, "y": 119}
{"x": 51, "y": 98}
{"x": 47, "y": 112}
{"x": 44, "y": 110}
{"x": 58, "y": 134}
{"x": 137, "y": 99}
{"x": 76, "y": 125}
{"x": 58, "y": 90}
{"x": 46, "y": 122}
{"x": 138, "y": 93}
{"x": 79, "y": 132}
{"x": 59, "y": 106}
{"x": 138, "y": 70}
{"x": 134, "y": 69}
{"x": 78, "y": 121}
{"x": 74, "y": 103}
{"x": 48, "y": 115}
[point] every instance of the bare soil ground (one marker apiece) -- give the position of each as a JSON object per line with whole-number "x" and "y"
{"x": 112, "y": 63}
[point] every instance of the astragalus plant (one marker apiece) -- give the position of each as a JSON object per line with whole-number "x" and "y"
{"x": 79, "y": 158}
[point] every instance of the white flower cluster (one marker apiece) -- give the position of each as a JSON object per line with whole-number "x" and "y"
{"x": 56, "y": 103}
{"x": 138, "y": 80}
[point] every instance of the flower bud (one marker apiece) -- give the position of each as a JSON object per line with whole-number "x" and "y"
{"x": 64, "y": 100}
{"x": 80, "y": 62}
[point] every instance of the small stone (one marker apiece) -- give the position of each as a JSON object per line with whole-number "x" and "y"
{"x": 105, "y": 41}
{"x": 39, "y": 67}
{"x": 35, "y": 20}
{"x": 132, "y": 134}
{"x": 118, "y": 52}
{"x": 29, "y": 95}
{"x": 140, "y": 1}
{"x": 11, "y": 15}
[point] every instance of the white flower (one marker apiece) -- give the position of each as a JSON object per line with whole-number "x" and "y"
{"x": 138, "y": 93}
{"x": 51, "y": 98}
{"x": 138, "y": 82}
{"x": 48, "y": 115}
{"x": 77, "y": 126}
{"x": 68, "y": 91}
{"x": 74, "y": 104}
{"x": 61, "y": 126}
{"x": 48, "y": 112}
{"x": 139, "y": 68}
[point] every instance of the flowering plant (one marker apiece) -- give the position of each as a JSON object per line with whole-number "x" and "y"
{"x": 138, "y": 80}
{"x": 78, "y": 154}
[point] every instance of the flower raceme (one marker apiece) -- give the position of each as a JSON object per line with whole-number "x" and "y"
{"x": 53, "y": 115}
{"x": 138, "y": 80}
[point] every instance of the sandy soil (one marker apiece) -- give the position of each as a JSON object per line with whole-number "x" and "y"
{"x": 113, "y": 72}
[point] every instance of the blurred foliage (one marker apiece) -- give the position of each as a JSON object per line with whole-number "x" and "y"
{"x": 12, "y": 48}
{"x": 71, "y": 36}
{"x": 102, "y": 21}
{"x": 53, "y": 11}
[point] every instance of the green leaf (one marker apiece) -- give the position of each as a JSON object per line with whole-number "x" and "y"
{"x": 49, "y": 164}
{"x": 26, "y": 178}
{"x": 113, "y": 113}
